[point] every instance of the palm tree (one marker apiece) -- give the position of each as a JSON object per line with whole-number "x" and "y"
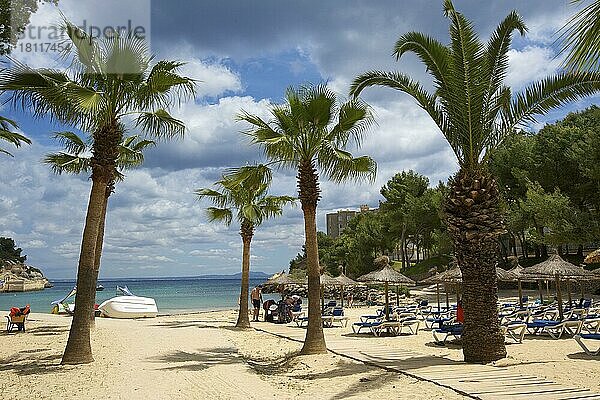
{"x": 110, "y": 81}
{"x": 310, "y": 133}
{"x": 7, "y": 134}
{"x": 243, "y": 191}
{"x": 475, "y": 111}
{"x": 76, "y": 160}
{"x": 580, "y": 38}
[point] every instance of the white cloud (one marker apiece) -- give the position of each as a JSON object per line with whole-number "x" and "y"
{"x": 530, "y": 64}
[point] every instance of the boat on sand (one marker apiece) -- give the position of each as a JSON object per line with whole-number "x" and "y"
{"x": 128, "y": 305}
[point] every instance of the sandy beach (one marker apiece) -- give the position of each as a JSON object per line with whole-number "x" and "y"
{"x": 201, "y": 355}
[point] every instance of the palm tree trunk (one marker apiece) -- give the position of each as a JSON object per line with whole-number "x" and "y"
{"x": 79, "y": 350}
{"x": 314, "y": 342}
{"x": 474, "y": 223}
{"x": 105, "y": 153}
{"x": 308, "y": 191}
{"x": 99, "y": 245}
{"x": 246, "y": 232}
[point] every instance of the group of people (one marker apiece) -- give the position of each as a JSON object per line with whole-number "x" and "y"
{"x": 290, "y": 304}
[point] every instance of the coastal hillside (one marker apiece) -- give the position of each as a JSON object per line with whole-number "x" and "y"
{"x": 15, "y": 275}
{"x": 19, "y": 277}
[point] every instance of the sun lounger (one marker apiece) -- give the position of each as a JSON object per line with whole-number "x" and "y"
{"x": 591, "y": 325}
{"x": 450, "y": 330}
{"x": 439, "y": 321}
{"x": 555, "y": 329}
{"x": 297, "y": 314}
{"x": 339, "y": 317}
{"x": 358, "y": 326}
{"x": 514, "y": 330}
{"x": 588, "y": 336}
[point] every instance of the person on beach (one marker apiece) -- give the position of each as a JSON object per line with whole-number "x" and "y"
{"x": 460, "y": 312}
{"x": 256, "y": 296}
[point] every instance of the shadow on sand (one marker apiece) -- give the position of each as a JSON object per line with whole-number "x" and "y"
{"x": 198, "y": 361}
{"x": 31, "y": 363}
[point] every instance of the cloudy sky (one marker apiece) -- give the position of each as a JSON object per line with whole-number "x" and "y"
{"x": 244, "y": 55}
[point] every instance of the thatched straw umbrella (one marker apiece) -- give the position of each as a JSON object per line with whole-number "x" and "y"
{"x": 454, "y": 275}
{"x": 437, "y": 279}
{"x": 593, "y": 257}
{"x": 281, "y": 279}
{"x": 342, "y": 281}
{"x": 557, "y": 268}
{"x": 386, "y": 275}
{"x": 326, "y": 280}
{"x": 517, "y": 273}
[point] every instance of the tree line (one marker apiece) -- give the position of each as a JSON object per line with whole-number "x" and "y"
{"x": 548, "y": 182}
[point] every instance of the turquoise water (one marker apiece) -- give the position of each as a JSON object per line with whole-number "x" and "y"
{"x": 171, "y": 294}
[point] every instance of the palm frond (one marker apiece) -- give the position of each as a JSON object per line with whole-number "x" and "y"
{"x": 429, "y": 50}
{"x": 547, "y": 94}
{"x": 219, "y": 214}
{"x": 216, "y": 197}
{"x": 7, "y": 134}
{"x": 580, "y": 39}
{"x": 160, "y": 124}
{"x": 71, "y": 142}
{"x": 67, "y": 163}
{"x": 339, "y": 165}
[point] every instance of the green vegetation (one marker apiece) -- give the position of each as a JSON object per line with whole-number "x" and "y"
{"x": 407, "y": 223}
{"x": 420, "y": 269}
{"x": 9, "y": 251}
{"x": 8, "y": 134}
{"x": 310, "y": 134}
{"x": 111, "y": 82}
{"x": 475, "y": 111}
{"x": 244, "y": 192}
{"x": 551, "y": 203}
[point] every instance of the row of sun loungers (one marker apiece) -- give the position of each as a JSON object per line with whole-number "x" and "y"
{"x": 581, "y": 323}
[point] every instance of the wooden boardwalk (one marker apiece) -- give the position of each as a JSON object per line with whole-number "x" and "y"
{"x": 476, "y": 381}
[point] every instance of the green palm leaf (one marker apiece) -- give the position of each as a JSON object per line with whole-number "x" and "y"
{"x": 580, "y": 39}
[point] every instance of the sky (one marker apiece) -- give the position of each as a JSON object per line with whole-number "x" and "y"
{"x": 244, "y": 55}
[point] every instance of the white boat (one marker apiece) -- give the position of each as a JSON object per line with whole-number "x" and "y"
{"x": 62, "y": 306}
{"x": 128, "y": 306}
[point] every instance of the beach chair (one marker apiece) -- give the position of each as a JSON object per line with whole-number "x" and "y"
{"x": 16, "y": 318}
{"x": 591, "y": 325}
{"x": 588, "y": 336}
{"x": 297, "y": 312}
{"x": 520, "y": 315}
{"x": 449, "y": 330}
{"x": 390, "y": 327}
{"x": 410, "y": 322}
{"x": 555, "y": 329}
{"x": 338, "y": 316}
{"x": 301, "y": 321}
{"x": 370, "y": 325}
{"x": 514, "y": 330}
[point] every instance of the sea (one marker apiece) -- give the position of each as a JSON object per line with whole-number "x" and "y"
{"x": 172, "y": 295}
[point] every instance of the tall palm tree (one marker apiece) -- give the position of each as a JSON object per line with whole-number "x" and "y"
{"x": 7, "y": 133}
{"x": 580, "y": 38}
{"x": 76, "y": 160}
{"x": 475, "y": 111}
{"x": 310, "y": 133}
{"x": 243, "y": 191}
{"x": 110, "y": 81}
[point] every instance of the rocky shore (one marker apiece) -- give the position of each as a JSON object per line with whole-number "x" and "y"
{"x": 18, "y": 277}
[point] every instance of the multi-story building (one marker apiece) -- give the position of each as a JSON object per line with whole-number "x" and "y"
{"x": 337, "y": 222}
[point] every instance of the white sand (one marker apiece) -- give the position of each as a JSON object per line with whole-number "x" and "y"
{"x": 202, "y": 356}
{"x": 187, "y": 357}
